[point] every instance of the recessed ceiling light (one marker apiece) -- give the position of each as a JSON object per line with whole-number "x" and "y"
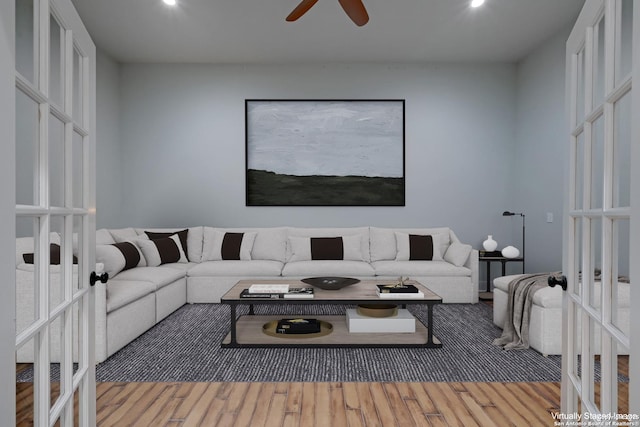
{"x": 173, "y": 2}
{"x": 477, "y": 3}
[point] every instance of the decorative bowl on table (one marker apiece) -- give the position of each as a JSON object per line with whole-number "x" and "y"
{"x": 330, "y": 283}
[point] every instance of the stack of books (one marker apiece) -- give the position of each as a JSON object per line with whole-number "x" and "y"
{"x": 298, "y": 326}
{"x": 276, "y": 292}
{"x": 398, "y": 291}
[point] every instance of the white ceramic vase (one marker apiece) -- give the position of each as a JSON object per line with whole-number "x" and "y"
{"x": 490, "y": 245}
{"x": 510, "y": 252}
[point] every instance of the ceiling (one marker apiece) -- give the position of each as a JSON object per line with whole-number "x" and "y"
{"x": 255, "y": 31}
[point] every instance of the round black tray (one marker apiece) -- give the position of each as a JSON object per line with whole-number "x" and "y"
{"x": 330, "y": 283}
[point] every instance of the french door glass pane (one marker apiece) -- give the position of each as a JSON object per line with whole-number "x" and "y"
{"x": 598, "y": 57}
{"x": 56, "y": 162}
{"x": 24, "y": 389}
{"x": 622, "y": 152}
{"x": 25, "y": 40}
{"x": 56, "y": 62}
{"x": 77, "y": 87}
{"x": 597, "y": 163}
{"x": 579, "y": 178}
{"x": 78, "y": 170}
{"x": 55, "y": 332}
{"x": 580, "y": 86}
{"x": 596, "y": 264}
{"x": 623, "y": 379}
{"x": 596, "y": 350}
{"x": 576, "y": 368}
{"x": 26, "y": 277}
{"x": 77, "y": 246}
{"x": 56, "y": 278}
{"x": 620, "y": 291}
{"x": 578, "y": 255}
{"x": 624, "y": 50}
{"x": 26, "y": 149}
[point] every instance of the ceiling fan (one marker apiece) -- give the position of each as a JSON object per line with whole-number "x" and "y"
{"x": 354, "y": 9}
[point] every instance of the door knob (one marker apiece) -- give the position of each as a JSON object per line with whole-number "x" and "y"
{"x": 93, "y": 278}
{"x": 553, "y": 281}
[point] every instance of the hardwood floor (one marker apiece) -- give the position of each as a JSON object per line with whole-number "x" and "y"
{"x": 320, "y": 404}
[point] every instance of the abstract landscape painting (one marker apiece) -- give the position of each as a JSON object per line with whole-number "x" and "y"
{"x": 325, "y": 153}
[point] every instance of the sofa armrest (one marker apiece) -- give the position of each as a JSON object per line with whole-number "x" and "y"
{"x": 473, "y": 263}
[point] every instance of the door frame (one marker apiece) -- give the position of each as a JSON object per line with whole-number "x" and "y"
{"x": 634, "y": 389}
{"x": 7, "y": 212}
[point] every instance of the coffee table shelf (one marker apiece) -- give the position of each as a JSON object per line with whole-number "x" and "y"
{"x": 249, "y": 334}
{"x": 246, "y": 330}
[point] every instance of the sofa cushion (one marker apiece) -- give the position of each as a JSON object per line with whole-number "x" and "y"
{"x": 103, "y": 237}
{"x": 228, "y": 246}
{"x": 361, "y": 232}
{"x": 269, "y": 244}
{"x": 123, "y": 292}
{"x": 117, "y": 257}
{"x": 25, "y": 245}
{"x": 159, "y": 276}
{"x": 236, "y": 268}
{"x": 458, "y": 254}
{"x": 417, "y": 247}
{"x": 383, "y": 240}
{"x": 162, "y": 251}
{"x": 54, "y": 255}
{"x": 123, "y": 234}
{"x": 419, "y": 268}
{"x": 326, "y": 248}
{"x": 327, "y": 268}
{"x": 182, "y": 235}
{"x": 194, "y": 239}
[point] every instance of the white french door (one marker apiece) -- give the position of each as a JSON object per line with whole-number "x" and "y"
{"x": 55, "y": 63}
{"x": 597, "y": 318}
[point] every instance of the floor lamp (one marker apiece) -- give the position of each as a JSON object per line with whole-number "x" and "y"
{"x": 507, "y": 213}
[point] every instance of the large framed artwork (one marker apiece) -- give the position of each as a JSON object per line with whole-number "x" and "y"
{"x": 325, "y": 152}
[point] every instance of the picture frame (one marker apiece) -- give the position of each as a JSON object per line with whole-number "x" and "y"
{"x": 321, "y": 152}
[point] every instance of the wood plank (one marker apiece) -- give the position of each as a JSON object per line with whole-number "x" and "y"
{"x": 427, "y": 405}
{"x": 291, "y": 419}
{"x": 275, "y": 416}
{"x": 515, "y": 397}
{"x": 338, "y": 412}
{"x": 482, "y": 398}
{"x": 308, "y": 406}
{"x": 246, "y": 410}
{"x": 476, "y": 411}
{"x": 397, "y": 404}
{"x": 368, "y": 407}
{"x": 323, "y": 405}
{"x": 157, "y": 405}
{"x": 383, "y": 406}
{"x": 136, "y": 398}
{"x": 351, "y": 399}
{"x": 263, "y": 401}
{"x": 415, "y": 410}
{"x": 294, "y": 397}
{"x": 442, "y": 404}
{"x": 199, "y": 410}
{"x": 236, "y": 397}
{"x": 189, "y": 401}
{"x": 505, "y": 406}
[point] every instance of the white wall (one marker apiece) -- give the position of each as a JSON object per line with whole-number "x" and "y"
{"x": 183, "y": 143}
{"x": 108, "y": 144}
{"x": 537, "y": 185}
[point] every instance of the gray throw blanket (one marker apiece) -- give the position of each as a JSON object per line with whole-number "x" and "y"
{"x": 515, "y": 332}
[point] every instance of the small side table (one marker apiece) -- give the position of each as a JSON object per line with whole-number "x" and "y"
{"x": 488, "y": 258}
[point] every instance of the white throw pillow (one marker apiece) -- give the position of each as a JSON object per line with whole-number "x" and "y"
{"x": 458, "y": 253}
{"x": 162, "y": 251}
{"x": 301, "y": 248}
{"x": 117, "y": 257}
{"x": 403, "y": 246}
{"x": 224, "y": 246}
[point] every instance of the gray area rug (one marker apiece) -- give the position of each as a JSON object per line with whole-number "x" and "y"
{"x": 186, "y": 347}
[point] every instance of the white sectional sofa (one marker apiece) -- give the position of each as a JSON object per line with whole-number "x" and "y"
{"x": 135, "y": 299}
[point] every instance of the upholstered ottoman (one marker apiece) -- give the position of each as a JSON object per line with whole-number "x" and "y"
{"x": 545, "y": 326}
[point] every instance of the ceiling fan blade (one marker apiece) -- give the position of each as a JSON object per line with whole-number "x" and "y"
{"x": 301, "y": 9}
{"x": 356, "y": 11}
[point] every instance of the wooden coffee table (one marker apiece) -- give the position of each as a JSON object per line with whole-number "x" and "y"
{"x": 246, "y": 331}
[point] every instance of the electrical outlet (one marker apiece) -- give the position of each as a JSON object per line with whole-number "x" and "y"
{"x": 549, "y": 216}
